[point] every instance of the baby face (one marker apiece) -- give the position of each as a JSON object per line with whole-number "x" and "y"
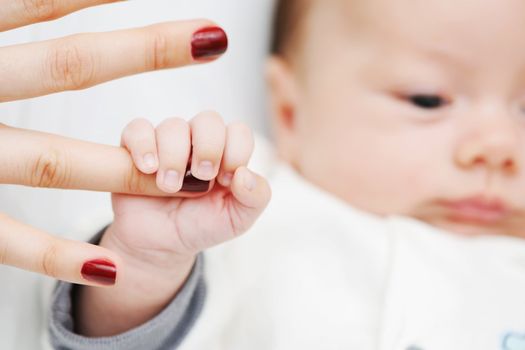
{"x": 411, "y": 107}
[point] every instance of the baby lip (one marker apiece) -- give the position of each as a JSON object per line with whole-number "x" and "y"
{"x": 478, "y": 209}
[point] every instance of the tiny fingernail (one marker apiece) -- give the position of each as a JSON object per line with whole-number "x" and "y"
{"x": 100, "y": 271}
{"x": 206, "y": 169}
{"x": 227, "y": 179}
{"x": 249, "y": 180}
{"x": 171, "y": 179}
{"x": 149, "y": 161}
{"x": 194, "y": 185}
{"x": 209, "y": 42}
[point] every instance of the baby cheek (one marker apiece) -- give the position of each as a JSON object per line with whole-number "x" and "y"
{"x": 403, "y": 178}
{"x": 382, "y": 181}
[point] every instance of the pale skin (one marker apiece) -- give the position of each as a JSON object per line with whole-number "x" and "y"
{"x": 159, "y": 238}
{"x": 344, "y": 112}
{"x": 231, "y": 204}
{"x": 350, "y": 111}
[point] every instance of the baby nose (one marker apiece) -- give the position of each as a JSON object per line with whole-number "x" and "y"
{"x": 495, "y": 148}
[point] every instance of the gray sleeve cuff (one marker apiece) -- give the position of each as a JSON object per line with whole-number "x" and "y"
{"x": 166, "y": 331}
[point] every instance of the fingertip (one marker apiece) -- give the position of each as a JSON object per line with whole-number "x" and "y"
{"x": 138, "y": 137}
{"x": 149, "y": 163}
{"x": 169, "y": 181}
{"x": 249, "y": 179}
{"x": 208, "y": 43}
{"x": 97, "y": 266}
{"x": 101, "y": 271}
{"x": 225, "y": 179}
{"x": 250, "y": 189}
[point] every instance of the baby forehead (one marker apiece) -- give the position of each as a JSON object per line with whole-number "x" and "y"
{"x": 437, "y": 20}
{"x": 418, "y": 11}
{"x": 467, "y": 35}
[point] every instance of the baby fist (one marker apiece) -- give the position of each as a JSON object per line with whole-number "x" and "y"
{"x": 213, "y": 196}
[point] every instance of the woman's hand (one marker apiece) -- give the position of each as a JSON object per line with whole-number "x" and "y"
{"x": 83, "y": 60}
{"x": 37, "y": 159}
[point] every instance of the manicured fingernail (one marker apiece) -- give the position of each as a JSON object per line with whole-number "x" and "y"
{"x": 249, "y": 180}
{"x": 206, "y": 169}
{"x": 171, "y": 180}
{"x": 208, "y": 42}
{"x": 192, "y": 184}
{"x": 149, "y": 161}
{"x": 100, "y": 271}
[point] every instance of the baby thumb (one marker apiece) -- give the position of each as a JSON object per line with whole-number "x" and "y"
{"x": 251, "y": 194}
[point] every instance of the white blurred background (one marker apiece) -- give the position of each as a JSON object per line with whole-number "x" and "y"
{"x": 233, "y": 86}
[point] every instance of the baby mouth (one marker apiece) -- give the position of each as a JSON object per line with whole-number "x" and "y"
{"x": 477, "y": 210}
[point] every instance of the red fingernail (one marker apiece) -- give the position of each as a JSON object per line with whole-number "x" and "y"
{"x": 100, "y": 271}
{"x": 193, "y": 185}
{"x": 209, "y": 42}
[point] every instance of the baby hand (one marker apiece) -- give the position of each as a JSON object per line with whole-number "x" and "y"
{"x": 219, "y": 202}
{"x": 159, "y": 238}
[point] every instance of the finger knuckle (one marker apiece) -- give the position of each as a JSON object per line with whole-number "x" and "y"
{"x": 69, "y": 66}
{"x": 209, "y": 148}
{"x": 49, "y": 260}
{"x": 140, "y": 123}
{"x": 136, "y": 128}
{"x": 240, "y": 127}
{"x": 157, "y": 50}
{"x": 240, "y": 131}
{"x": 209, "y": 117}
{"x": 41, "y": 10}
{"x": 50, "y": 170}
{"x": 174, "y": 123}
{"x": 134, "y": 181}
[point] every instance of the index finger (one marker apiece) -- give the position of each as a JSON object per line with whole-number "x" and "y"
{"x": 84, "y": 60}
{"x": 38, "y": 159}
{"x": 18, "y": 13}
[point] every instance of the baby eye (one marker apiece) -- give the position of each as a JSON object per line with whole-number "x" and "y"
{"x": 427, "y": 101}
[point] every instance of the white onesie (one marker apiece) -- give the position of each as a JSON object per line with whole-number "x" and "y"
{"x": 314, "y": 273}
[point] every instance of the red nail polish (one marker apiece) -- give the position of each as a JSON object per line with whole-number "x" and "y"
{"x": 193, "y": 185}
{"x": 209, "y": 42}
{"x": 100, "y": 271}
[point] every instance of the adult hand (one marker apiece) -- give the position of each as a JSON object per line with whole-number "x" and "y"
{"x": 37, "y": 159}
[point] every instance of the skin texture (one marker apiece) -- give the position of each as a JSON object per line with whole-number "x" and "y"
{"x": 41, "y": 160}
{"x": 344, "y": 113}
{"x": 151, "y": 246}
{"x": 348, "y": 114}
{"x": 158, "y": 238}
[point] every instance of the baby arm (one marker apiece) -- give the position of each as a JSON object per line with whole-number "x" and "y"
{"x": 159, "y": 239}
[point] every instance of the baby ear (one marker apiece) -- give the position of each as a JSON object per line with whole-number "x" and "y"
{"x": 284, "y": 105}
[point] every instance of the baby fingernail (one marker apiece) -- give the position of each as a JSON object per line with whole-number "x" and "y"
{"x": 206, "y": 169}
{"x": 249, "y": 180}
{"x": 209, "y": 42}
{"x": 171, "y": 179}
{"x": 149, "y": 161}
{"x": 227, "y": 179}
{"x": 100, "y": 271}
